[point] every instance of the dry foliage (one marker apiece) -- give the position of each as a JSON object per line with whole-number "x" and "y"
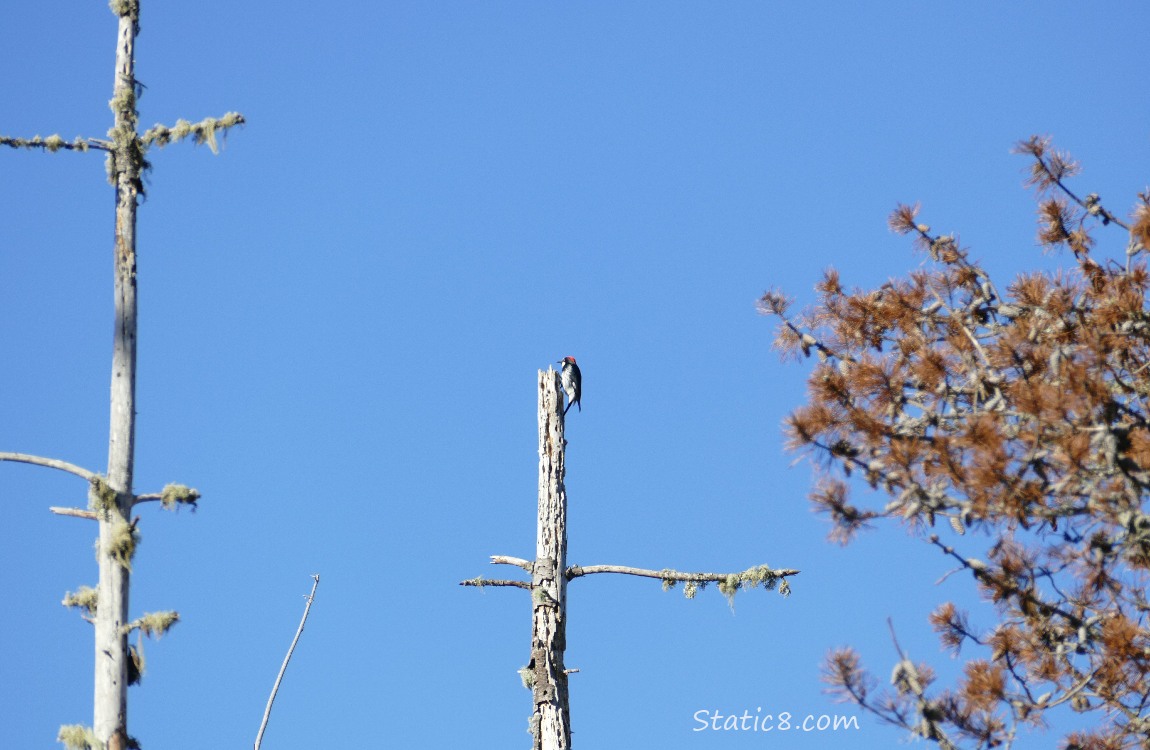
{"x": 1021, "y": 413}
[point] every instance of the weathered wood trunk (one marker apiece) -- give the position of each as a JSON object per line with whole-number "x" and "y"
{"x": 551, "y": 722}
{"x": 110, "y": 719}
{"x": 545, "y": 673}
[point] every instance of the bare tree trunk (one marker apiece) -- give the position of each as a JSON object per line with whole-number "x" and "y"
{"x": 545, "y": 674}
{"x": 551, "y": 721}
{"x": 110, "y": 721}
{"x": 111, "y": 497}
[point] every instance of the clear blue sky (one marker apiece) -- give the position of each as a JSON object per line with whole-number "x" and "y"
{"x": 342, "y": 317}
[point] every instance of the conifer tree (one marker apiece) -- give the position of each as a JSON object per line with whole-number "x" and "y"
{"x": 1008, "y": 426}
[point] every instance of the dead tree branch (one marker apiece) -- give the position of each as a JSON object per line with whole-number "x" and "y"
{"x": 75, "y": 513}
{"x": 576, "y": 571}
{"x": 51, "y": 463}
{"x": 283, "y": 667}
{"x": 481, "y": 582}
{"x": 54, "y": 143}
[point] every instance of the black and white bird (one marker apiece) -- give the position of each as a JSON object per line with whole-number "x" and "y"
{"x": 572, "y": 382}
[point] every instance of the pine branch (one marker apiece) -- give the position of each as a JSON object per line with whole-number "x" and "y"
{"x": 1001, "y": 582}
{"x": 1050, "y": 170}
{"x": 909, "y": 683}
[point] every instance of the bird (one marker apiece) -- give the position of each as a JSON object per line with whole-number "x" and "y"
{"x": 572, "y": 382}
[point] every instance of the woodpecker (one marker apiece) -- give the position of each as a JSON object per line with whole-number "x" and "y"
{"x": 572, "y": 382}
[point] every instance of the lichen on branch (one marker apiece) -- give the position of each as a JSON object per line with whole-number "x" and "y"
{"x": 201, "y": 132}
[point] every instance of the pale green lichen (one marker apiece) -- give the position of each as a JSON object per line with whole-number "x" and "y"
{"x": 129, "y": 8}
{"x": 101, "y": 497}
{"x": 201, "y": 132}
{"x": 730, "y": 584}
{"x": 123, "y": 543}
{"x": 155, "y": 624}
{"x": 152, "y": 624}
{"x": 174, "y": 495}
{"x": 123, "y": 102}
{"x": 729, "y": 587}
{"x": 85, "y": 598}
{"x": 761, "y": 575}
{"x": 78, "y": 737}
{"x": 52, "y": 143}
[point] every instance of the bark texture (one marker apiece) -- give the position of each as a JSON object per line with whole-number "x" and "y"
{"x": 545, "y": 673}
{"x": 551, "y": 721}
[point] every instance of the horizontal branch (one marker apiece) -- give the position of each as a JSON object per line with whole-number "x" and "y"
{"x": 51, "y": 463}
{"x": 169, "y": 498}
{"x": 728, "y": 582}
{"x": 172, "y": 496}
{"x": 667, "y": 575}
{"x": 481, "y": 582}
{"x": 202, "y": 132}
{"x": 507, "y": 560}
{"x": 75, "y": 513}
{"x": 54, "y": 143}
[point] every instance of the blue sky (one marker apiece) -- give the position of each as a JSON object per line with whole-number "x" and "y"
{"x": 342, "y": 316}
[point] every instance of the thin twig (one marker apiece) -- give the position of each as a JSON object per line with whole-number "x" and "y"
{"x": 1101, "y": 211}
{"x": 51, "y": 463}
{"x": 283, "y": 667}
